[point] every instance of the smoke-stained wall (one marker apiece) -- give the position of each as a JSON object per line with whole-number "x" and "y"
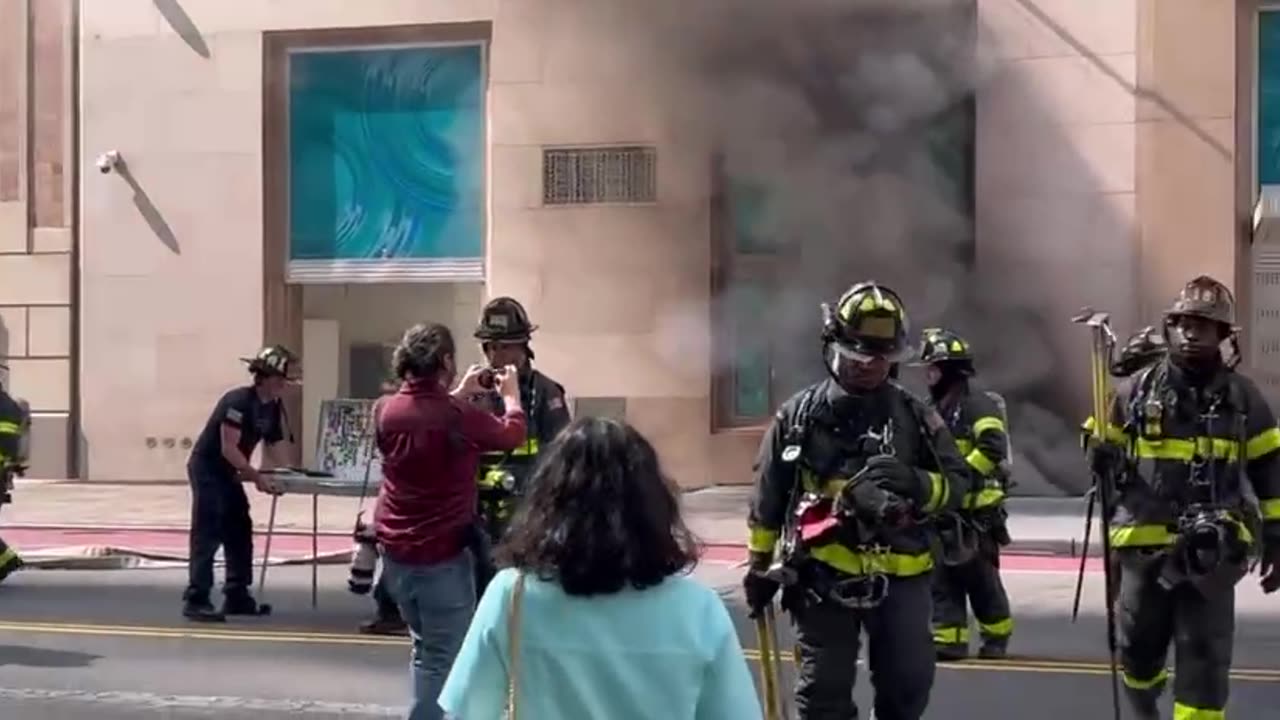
{"x": 833, "y": 111}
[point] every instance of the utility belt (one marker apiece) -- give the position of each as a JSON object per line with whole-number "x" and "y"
{"x": 1209, "y": 544}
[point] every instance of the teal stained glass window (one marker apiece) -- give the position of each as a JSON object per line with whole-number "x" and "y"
{"x": 386, "y": 154}
{"x": 749, "y": 302}
{"x": 1268, "y": 98}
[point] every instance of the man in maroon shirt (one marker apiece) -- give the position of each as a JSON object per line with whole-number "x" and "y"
{"x": 431, "y": 440}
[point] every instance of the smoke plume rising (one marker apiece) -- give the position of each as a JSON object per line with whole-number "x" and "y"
{"x": 842, "y": 126}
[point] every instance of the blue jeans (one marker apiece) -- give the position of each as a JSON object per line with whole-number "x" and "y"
{"x": 436, "y": 602}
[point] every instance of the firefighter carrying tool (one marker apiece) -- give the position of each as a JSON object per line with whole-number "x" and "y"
{"x": 849, "y": 476}
{"x": 15, "y": 420}
{"x": 1192, "y": 449}
{"x": 971, "y": 539}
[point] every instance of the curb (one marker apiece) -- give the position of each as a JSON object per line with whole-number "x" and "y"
{"x": 110, "y": 557}
{"x": 183, "y": 529}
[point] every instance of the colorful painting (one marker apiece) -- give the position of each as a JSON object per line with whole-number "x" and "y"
{"x": 1269, "y": 98}
{"x": 387, "y": 155}
{"x": 346, "y": 446}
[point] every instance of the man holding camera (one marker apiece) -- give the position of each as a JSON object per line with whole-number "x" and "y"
{"x": 1192, "y": 458}
{"x": 504, "y": 333}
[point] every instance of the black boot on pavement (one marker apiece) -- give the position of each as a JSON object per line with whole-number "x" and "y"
{"x": 201, "y": 610}
{"x": 240, "y": 603}
{"x": 994, "y": 649}
{"x": 951, "y": 652}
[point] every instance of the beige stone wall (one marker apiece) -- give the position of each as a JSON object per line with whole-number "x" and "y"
{"x": 37, "y": 76}
{"x": 620, "y": 292}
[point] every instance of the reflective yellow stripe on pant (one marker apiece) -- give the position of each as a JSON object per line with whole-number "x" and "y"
{"x": 1186, "y": 712}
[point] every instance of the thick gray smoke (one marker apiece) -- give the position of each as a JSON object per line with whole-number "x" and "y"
{"x": 844, "y": 124}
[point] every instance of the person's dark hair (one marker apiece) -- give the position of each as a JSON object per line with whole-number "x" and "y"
{"x": 422, "y": 351}
{"x": 600, "y": 514}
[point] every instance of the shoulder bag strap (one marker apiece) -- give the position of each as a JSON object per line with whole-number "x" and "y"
{"x": 513, "y": 644}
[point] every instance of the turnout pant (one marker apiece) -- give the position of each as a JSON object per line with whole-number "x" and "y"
{"x": 975, "y": 583}
{"x": 1199, "y": 621}
{"x": 901, "y": 655}
{"x": 219, "y": 517}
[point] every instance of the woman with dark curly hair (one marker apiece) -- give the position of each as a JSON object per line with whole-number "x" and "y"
{"x": 595, "y": 615}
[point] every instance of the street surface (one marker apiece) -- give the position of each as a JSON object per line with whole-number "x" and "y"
{"x": 108, "y": 645}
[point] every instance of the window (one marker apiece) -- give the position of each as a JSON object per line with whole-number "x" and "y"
{"x": 760, "y": 305}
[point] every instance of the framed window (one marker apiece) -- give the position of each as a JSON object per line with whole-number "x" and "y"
{"x": 1268, "y": 110}
{"x": 755, "y": 367}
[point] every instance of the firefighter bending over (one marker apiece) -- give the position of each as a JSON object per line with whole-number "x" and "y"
{"x": 848, "y": 477}
{"x": 504, "y": 333}
{"x": 1192, "y": 446}
{"x": 971, "y": 539}
{"x": 14, "y": 420}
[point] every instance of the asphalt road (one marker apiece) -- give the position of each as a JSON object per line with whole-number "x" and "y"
{"x": 76, "y": 645}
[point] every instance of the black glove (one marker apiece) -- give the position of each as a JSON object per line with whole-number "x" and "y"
{"x": 862, "y": 497}
{"x": 898, "y": 478}
{"x": 758, "y": 588}
{"x": 1105, "y": 458}
{"x": 1269, "y": 566}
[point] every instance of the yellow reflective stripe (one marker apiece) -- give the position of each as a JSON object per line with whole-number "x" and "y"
{"x": 1262, "y": 443}
{"x": 10, "y": 428}
{"x": 1186, "y": 450}
{"x": 983, "y": 498}
{"x": 1139, "y": 684}
{"x": 529, "y": 448}
{"x": 980, "y": 462}
{"x": 988, "y": 422}
{"x": 964, "y": 445}
{"x": 1271, "y": 509}
{"x": 492, "y": 478}
{"x": 1115, "y": 433}
{"x": 997, "y": 629}
{"x": 762, "y": 540}
{"x": 1141, "y": 536}
{"x": 867, "y": 563}
{"x": 939, "y": 492}
{"x": 951, "y": 635}
{"x": 1186, "y": 712}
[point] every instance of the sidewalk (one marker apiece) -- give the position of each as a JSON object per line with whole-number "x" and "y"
{"x": 46, "y": 513}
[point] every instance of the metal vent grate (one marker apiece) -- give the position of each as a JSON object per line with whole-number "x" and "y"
{"x": 585, "y": 176}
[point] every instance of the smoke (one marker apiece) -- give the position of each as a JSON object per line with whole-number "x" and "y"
{"x": 841, "y": 128}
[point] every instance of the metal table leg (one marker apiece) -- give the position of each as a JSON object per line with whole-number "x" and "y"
{"x": 315, "y": 549}
{"x": 266, "y": 551}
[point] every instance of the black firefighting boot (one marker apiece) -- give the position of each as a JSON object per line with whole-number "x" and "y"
{"x": 951, "y": 652}
{"x": 200, "y": 609}
{"x": 9, "y": 561}
{"x": 994, "y": 648}
{"x": 240, "y": 602}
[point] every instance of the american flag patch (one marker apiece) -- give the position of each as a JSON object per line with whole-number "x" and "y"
{"x": 555, "y": 403}
{"x": 235, "y": 415}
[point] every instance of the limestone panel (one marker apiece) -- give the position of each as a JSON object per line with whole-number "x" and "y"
{"x": 49, "y": 332}
{"x": 677, "y": 427}
{"x": 1016, "y": 153}
{"x": 50, "y": 446}
{"x": 13, "y": 331}
{"x": 1055, "y": 86}
{"x": 12, "y": 88}
{"x": 214, "y": 16}
{"x": 1058, "y": 28}
{"x": 733, "y": 452}
{"x": 611, "y": 365}
{"x": 573, "y": 114}
{"x": 45, "y": 383}
{"x": 1181, "y": 84}
{"x": 51, "y": 240}
{"x": 520, "y": 41}
{"x": 171, "y": 65}
{"x": 1186, "y": 205}
{"x": 35, "y": 279}
{"x": 49, "y": 102}
{"x": 515, "y": 177}
{"x": 13, "y": 227}
{"x": 119, "y": 19}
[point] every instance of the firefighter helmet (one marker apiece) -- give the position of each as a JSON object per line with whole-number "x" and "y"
{"x": 1143, "y": 348}
{"x": 869, "y": 319}
{"x": 504, "y": 319}
{"x": 1206, "y": 298}
{"x": 939, "y": 345}
{"x": 273, "y": 360}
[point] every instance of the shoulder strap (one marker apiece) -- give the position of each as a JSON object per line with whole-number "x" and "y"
{"x": 513, "y": 645}
{"x": 802, "y": 416}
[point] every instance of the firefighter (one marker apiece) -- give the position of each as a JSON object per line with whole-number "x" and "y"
{"x": 848, "y": 477}
{"x": 1192, "y": 447}
{"x": 14, "y": 421}
{"x": 504, "y": 333}
{"x": 219, "y": 464}
{"x": 970, "y": 572}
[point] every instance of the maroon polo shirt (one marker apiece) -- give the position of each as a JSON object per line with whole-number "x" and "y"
{"x": 431, "y": 445}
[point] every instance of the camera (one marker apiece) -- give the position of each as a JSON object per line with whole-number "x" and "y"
{"x": 364, "y": 559}
{"x": 488, "y": 378}
{"x": 108, "y": 161}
